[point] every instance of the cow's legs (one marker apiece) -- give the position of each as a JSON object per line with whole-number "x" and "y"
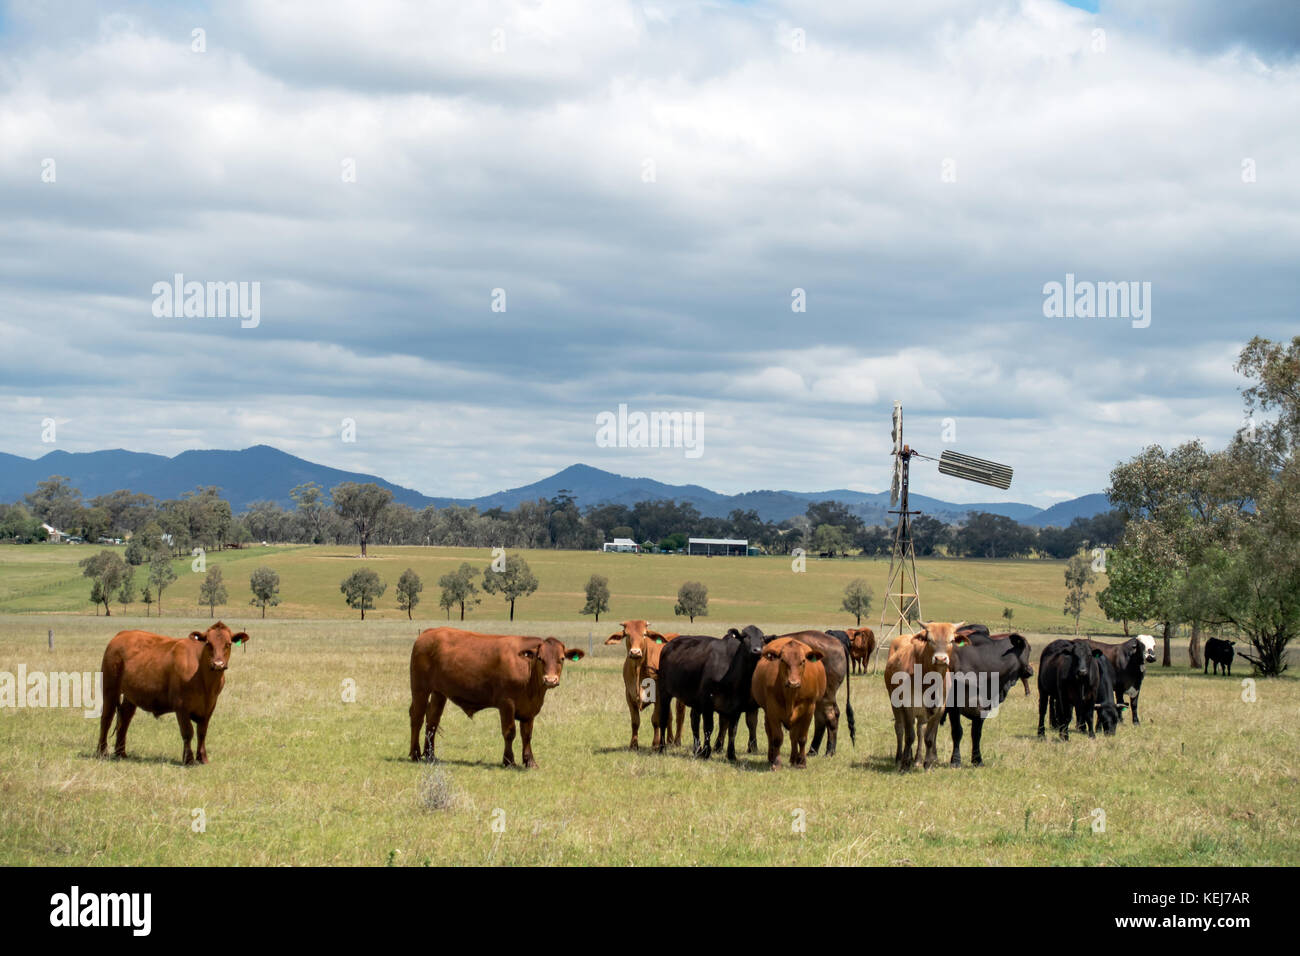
{"x": 681, "y": 722}
{"x": 733, "y": 724}
{"x": 432, "y": 718}
{"x": 106, "y": 719}
{"x": 695, "y": 730}
{"x": 187, "y": 734}
{"x": 832, "y": 728}
{"x": 976, "y": 732}
{"x": 1133, "y": 709}
{"x": 508, "y": 733}
{"x": 1089, "y": 712}
{"x": 1063, "y": 718}
{"x": 634, "y": 707}
{"x": 1042, "y": 712}
{"x": 819, "y": 729}
{"x": 931, "y": 741}
{"x": 899, "y": 720}
{"x": 954, "y": 718}
{"x": 526, "y": 732}
{"x": 722, "y": 733}
{"x": 664, "y": 717}
{"x": 125, "y": 711}
{"x": 774, "y": 740}
{"x": 202, "y": 726}
{"x": 799, "y": 743}
{"x": 706, "y": 751}
{"x": 419, "y": 704}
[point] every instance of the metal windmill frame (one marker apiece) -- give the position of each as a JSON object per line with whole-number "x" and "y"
{"x": 902, "y": 604}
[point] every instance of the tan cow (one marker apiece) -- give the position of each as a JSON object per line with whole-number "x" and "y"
{"x": 641, "y": 677}
{"x": 165, "y": 675}
{"x": 917, "y": 680}
{"x": 508, "y": 672}
{"x": 788, "y": 684}
{"x": 862, "y": 644}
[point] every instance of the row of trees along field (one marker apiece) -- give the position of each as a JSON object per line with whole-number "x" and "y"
{"x": 365, "y": 514}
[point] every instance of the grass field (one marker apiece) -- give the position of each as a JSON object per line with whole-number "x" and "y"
{"x": 299, "y": 776}
{"x": 46, "y": 579}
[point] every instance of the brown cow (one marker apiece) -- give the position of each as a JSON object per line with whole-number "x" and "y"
{"x": 916, "y": 678}
{"x": 165, "y": 675}
{"x": 788, "y": 684}
{"x": 641, "y": 677}
{"x": 862, "y": 644}
{"x": 478, "y": 671}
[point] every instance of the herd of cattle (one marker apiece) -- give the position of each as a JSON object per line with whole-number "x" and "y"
{"x": 944, "y": 672}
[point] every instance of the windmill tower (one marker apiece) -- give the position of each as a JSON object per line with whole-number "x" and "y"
{"x": 902, "y": 605}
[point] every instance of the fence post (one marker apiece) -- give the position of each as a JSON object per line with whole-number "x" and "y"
{"x": 51, "y": 638}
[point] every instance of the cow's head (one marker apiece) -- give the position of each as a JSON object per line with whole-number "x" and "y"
{"x": 217, "y": 642}
{"x": 791, "y": 656}
{"x": 1079, "y": 663}
{"x": 941, "y": 640}
{"x": 633, "y": 636}
{"x": 1105, "y": 708}
{"x": 547, "y": 657}
{"x": 751, "y": 638}
{"x": 1148, "y": 644}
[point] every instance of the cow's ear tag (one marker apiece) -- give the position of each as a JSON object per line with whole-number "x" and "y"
{"x": 961, "y": 642}
{"x": 659, "y": 640}
{"x": 575, "y": 657}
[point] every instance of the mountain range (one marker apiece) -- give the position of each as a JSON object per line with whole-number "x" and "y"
{"x": 263, "y": 473}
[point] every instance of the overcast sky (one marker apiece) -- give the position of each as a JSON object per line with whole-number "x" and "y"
{"x": 648, "y": 184}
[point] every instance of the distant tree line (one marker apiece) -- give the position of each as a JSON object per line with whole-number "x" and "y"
{"x": 365, "y": 514}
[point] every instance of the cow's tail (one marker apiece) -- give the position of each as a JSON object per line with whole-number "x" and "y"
{"x": 848, "y": 694}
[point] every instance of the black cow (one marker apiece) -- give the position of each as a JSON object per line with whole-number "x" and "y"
{"x": 984, "y": 668}
{"x": 710, "y": 675}
{"x": 1068, "y": 680}
{"x": 1219, "y": 653}
{"x": 1129, "y": 661}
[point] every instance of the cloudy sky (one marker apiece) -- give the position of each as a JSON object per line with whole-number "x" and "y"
{"x": 648, "y": 183}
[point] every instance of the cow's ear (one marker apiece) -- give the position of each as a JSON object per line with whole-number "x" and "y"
{"x": 198, "y": 635}
{"x": 574, "y": 654}
{"x": 1096, "y": 652}
{"x": 615, "y": 638}
{"x": 240, "y": 638}
{"x": 659, "y": 639}
{"x": 770, "y": 655}
{"x": 812, "y": 656}
{"x": 528, "y": 653}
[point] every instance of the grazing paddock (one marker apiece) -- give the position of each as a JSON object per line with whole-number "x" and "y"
{"x": 298, "y": 776}
{"x": 45, "y": 579}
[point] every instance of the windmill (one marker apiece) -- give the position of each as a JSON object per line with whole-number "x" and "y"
{"x": 903, "y": 593}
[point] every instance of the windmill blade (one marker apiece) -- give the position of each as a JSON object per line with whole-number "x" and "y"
{"x": 898, "y": 427}
{"x": 975, "y": 469}
{"x": 895, "y": 484}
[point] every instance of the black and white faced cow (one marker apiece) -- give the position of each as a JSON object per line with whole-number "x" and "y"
{"x": 1129, "y": 660}
{"x": 1219, "y": 653}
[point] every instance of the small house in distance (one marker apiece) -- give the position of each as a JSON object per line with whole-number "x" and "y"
{"x": 710, "y": 546}
{"x": 621, "y": 544}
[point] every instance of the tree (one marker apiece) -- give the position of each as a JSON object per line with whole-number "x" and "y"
{"x": 313, "y": 507}
{"x": 362, "y": 506}
{"x": 212, "y": 590}
{"x": 265, "y": 585}
{"x": 126, "y": 589}
{"x": 146, "y": 596}
{"x": 692, "y": 600}
{"x": 1135, "y": 590}
{"x": 516, "y": 581}
{"x": 409, "y": 587}
{"x": 857, "y": 598}
{"x": 1007, "y": 615}
{"x": 597, "y": 596}
{"x": 362, "y": 588}
{"x": 107, "y": 572}
{"x": 161, "y": 574}
{"x": 55, "y": 501}
{"x": 830, "y": 539}
{"x": 458, "y": 588}
{"x": 1078, "y": 576}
